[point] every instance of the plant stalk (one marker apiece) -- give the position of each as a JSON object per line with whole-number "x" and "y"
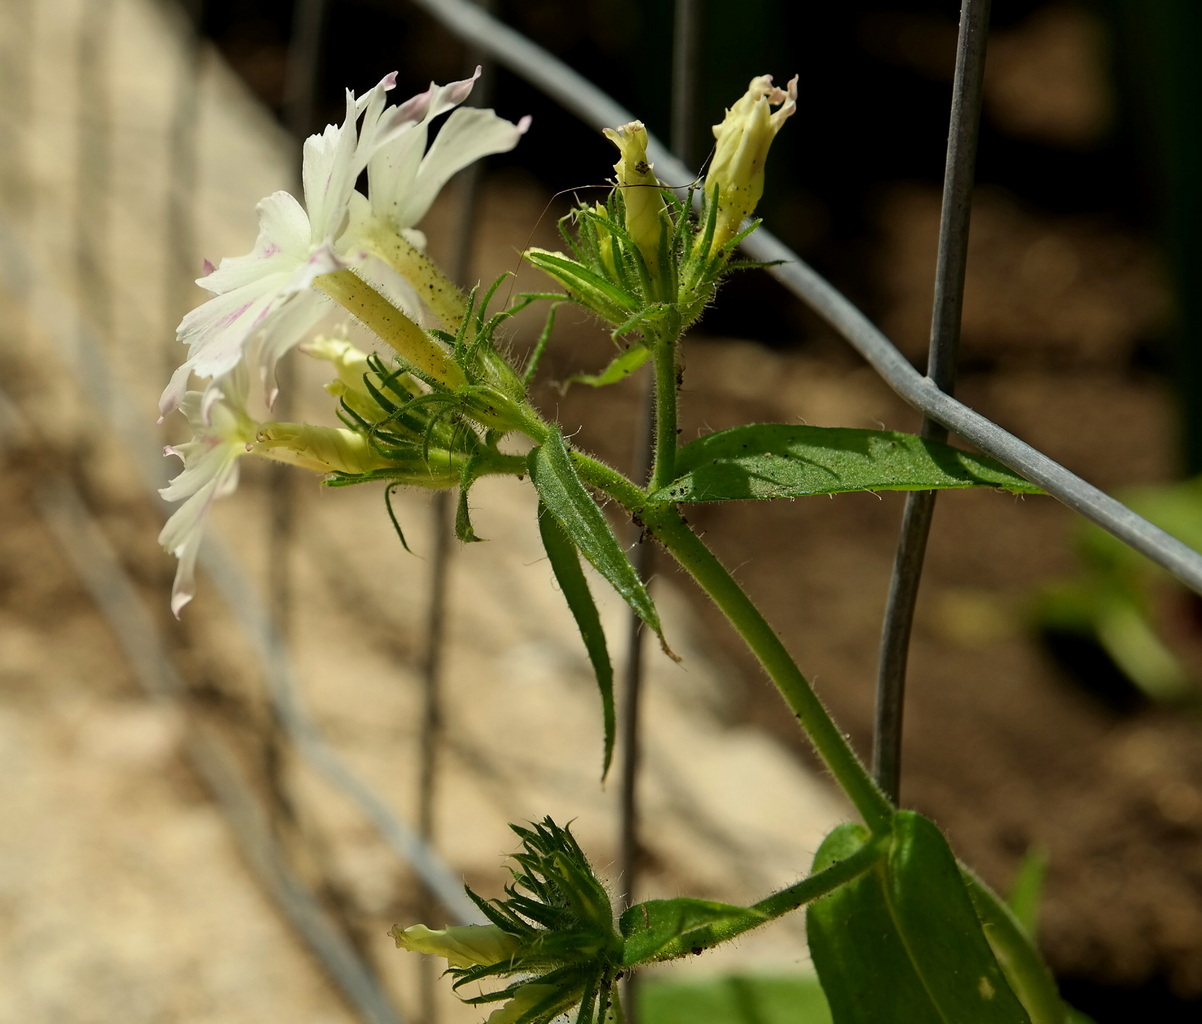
{"x": 663, "y": 351}
{"x": 669, "y": 528}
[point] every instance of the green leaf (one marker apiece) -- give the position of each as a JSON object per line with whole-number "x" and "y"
{"x": 475, "y": 467}
{"x": 903, "y": 942}
{"x": 663, "y": 929}
{"x": 565, "y": 563}
{"x": 570, "y": 503}
{"x": 770, "y": 460}
{"x": 734, "y": 999}
{"x": 620, "y": 367}
{"x": 1026, "y": 891}
{"x": 1028, "y": 975}
{"x": 587, "y": 287}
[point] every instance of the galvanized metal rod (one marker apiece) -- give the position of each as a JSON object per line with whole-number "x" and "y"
{"x": 579, "y": 96}
{"x": 952, "y": 258}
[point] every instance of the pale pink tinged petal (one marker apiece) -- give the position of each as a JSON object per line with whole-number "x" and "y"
{"x": 283, "y": 240}
{"x": 371, "y": 106}
{"x": 221, "y": 432}
{"x": 207, "y": 268}
{"x": 451, "y": 94}
{"x": 469, "y": 134}
{"x": 375, "y": 95}
{"x": 217, "y": 331}
{"x": 184, "y": 587}
{"x": 413, "y": 109}
{"x": 173, "y": 394}
{"x": 359, "y": 224}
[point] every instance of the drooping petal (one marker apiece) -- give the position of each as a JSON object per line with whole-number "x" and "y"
{"x": 290, "y": 326}
{"x": 222, "y": 431}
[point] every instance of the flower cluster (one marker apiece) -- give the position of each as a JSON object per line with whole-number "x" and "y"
{"x": 641, "y": 261}
{"x": 362, "y": 250}
{"x": 553, "y": 935}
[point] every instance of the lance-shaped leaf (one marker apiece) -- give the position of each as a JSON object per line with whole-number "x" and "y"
{"x": 663, "y": 929}
{"x": 567, "y": 499}
{"x": 902, "y": 942}
{"x": 619, "y": 368}
{"x": 565, "y": 563}
{"x": 770, "y": 460}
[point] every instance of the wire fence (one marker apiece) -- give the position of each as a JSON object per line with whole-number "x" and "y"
{"x": 114, "y": 189}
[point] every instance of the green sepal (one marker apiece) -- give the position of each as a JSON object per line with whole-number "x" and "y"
{"x": 771, "y": 460}
{"x": 665, "y": 929}
{"x": 902, "y": 942}
{"x": 565, "y": 563}
{"x": 473, "y": 469}
{"x": 620, "y": 367}
{"x": 590, "y": 289}
{"x": 568, "y": 500}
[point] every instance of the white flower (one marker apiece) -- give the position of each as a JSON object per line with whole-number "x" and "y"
{"x": 403, "y": 177}
{"x": 267, "y": 293}
{"x": 222, "y": 433}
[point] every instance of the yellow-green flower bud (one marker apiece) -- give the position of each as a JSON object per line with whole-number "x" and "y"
{"x": 736, "y": 173}
{"x": 321, "y": 449}
{"x": 352, "y": 366}
{"x": 640, "y": 188}
{"x": 463, "y": 946}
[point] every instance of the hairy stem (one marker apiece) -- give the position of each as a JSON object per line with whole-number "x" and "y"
{"x": 778, "y": 904}
{"x": 664, "y": 354}
{"x": 669, "y": 528}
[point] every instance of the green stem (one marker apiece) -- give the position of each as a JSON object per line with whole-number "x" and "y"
{"x": 667, "y": 525}
{"x": 778, "y": 904}
{"x": 663, "y": 350}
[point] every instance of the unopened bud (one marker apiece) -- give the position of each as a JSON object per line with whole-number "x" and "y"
{"x": 463, "y": 945}
{"x": 640, "y": 188}
{"x": 737, "y": 171}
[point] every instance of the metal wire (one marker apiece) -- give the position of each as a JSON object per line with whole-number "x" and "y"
{"x": 579, "y": 96}
{"x": 952, "y": 258}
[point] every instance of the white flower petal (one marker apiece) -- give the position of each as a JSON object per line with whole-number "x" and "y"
{"x": 221, "y": 432}
{"x": 469, "y": 134}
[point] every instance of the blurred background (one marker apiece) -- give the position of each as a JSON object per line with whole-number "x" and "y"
{"x": 1054, "y": 680}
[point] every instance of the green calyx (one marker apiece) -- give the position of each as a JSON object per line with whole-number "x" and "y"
{"x": 555, "y": 934}
{"x": 613, "y": 274}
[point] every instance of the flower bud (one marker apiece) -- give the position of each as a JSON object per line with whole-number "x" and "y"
{"x": 321, "y": 449}
{"x": 640, "y": 188}
{"x": 736, "y": 173}
{"x": 463, "y": 946}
